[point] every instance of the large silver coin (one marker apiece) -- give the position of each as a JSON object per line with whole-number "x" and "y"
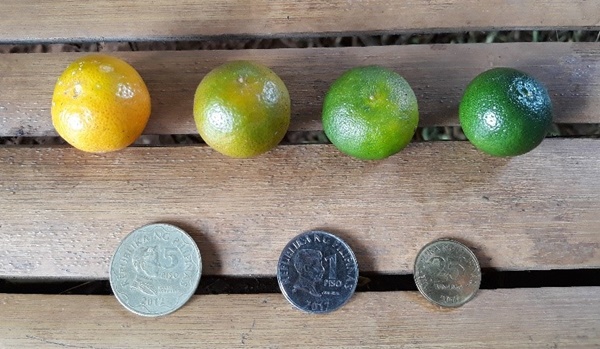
{"x": 447, "y": 273}
{"x": 155, "y": 270}
{"x": 317, "y": 272}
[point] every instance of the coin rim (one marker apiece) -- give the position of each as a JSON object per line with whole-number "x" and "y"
{"x": 422, "y": 292}
{"x": 110, "y": 268}
{"x": 284, "y": 292}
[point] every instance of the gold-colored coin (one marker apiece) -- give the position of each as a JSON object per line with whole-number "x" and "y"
{"x": 447, "y": 273}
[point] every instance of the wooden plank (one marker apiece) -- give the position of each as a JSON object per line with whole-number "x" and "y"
{"x": 65, "y": 211}
{"x": 102, "y": 20}
{"x": 438, "y": 74}
{"x": 517, "y": 318}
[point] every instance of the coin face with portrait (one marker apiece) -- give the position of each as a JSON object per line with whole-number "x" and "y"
{"x": 155, "y": 270}
{"x": 317, "y": 272}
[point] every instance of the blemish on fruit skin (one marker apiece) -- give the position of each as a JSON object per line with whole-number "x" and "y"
{"x": 77, "y": 89}
{"x": 75, "y": 123}
{"x": 270, "y": 93}
{"x": 529, "y": 94}
{"x": 220, "y": 118}
{"x": 124, "y": 91}
{"x": 106, "y": 68}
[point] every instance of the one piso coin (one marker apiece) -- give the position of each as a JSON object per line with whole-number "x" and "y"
{"x": 447, "y": 273}
{"x": 155, "y": 270}
{"x": 317, "y": 272}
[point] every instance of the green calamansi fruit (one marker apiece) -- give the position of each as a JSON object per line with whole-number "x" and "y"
{"x": 370, "y": 113}
{"x": 505, "y": 112}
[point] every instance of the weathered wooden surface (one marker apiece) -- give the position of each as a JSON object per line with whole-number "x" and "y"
{"x": 100, "y": 20}
{"x": 437, "y": 73}
{"x": 65, "y": 211}
{"x": 519, "y": 318}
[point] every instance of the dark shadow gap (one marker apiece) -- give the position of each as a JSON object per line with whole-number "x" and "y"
{"x": 430, "y": 134}
{"x": 368, "y": 282}
{"x": 239, "y": 42}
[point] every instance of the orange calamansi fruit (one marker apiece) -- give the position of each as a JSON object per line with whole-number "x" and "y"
{"x": 100, "y": 104}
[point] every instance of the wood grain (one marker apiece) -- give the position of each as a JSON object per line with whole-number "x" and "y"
{"x": 64, "y": 211}
{"x": 102, "y": 20}
{"x": 437, "y": 73}
{"x": 517, "y": 318}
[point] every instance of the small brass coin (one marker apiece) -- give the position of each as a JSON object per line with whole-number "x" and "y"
{"x": 447, "y": 273}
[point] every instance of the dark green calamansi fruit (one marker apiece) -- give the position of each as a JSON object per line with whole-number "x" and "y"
{"x": 505, "y": 112}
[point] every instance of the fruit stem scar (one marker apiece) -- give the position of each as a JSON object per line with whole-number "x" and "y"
{"x": 240, "y": 79}
{"x": 524, "y": 91}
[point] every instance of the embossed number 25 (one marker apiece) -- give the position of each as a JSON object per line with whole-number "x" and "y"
{"x": 448, "y": 269}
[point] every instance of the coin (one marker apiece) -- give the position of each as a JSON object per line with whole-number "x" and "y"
{"x": 155, "y": 270}
{"x": 317, "y": 272}
{"x": 447, "y": 273}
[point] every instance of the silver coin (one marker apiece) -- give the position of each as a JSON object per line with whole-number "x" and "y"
{"x": 447, "y": 273}
{"x": 155, "y": 270}
{"x": 317, "y": 272}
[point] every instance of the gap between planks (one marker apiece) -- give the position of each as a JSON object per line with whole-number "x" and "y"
{"x": 65, "y": 211}
{"x": 438, "y": 74}
{"x": 517, "y": 318}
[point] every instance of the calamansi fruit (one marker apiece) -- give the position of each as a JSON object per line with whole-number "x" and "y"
{"x": 242, "y": 109}
{"x": 370, "y": 113}
{"x": 505, "y": 112}
{"x": 100, "y": 104}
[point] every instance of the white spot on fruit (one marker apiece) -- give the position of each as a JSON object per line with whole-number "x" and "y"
{"x": 490, "y": 119}
{"x": 106, "y": 68}
{"x": 270, "y": 93}
{"x": 75, "y": 123}
{"x": 124, "y": 91}
{"x": 77, "y": 89}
